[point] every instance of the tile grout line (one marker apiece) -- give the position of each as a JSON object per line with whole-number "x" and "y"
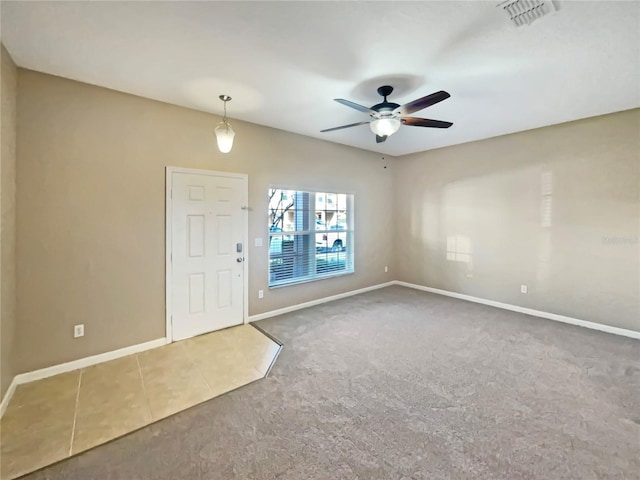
{"x": 144, "y": 389}
{"x": 195, "y": 366}
{"x": 75, "y": 412}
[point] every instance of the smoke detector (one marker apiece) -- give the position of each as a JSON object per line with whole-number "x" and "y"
{"x": 525, "y": 12}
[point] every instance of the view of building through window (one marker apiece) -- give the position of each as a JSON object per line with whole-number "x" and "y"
{"x": 310, "y": 235}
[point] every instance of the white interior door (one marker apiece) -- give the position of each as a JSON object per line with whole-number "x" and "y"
{"x": 208, "y": 226}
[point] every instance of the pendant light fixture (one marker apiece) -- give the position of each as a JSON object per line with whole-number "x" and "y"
{"x": 224, "y": 132}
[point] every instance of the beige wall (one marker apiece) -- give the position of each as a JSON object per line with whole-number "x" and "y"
{"x": 556, "y": 209}
{"x": 91, "y": 211}
{"x": 90, "y": 220}
{"x": 8, "y": 94}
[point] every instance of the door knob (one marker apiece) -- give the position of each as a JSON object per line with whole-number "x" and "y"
{"x": 239, "y": 259}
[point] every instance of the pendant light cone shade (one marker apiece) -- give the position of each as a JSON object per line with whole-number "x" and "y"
{"x": 224, "y": 132}
{"x": 385, "y": 126}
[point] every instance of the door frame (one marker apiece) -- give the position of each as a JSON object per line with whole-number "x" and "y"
{"x": 169, "y": 247}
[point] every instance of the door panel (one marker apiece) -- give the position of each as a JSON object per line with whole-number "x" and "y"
{"x": 196, "y": 293}
{"x": 195, "y": 232}
{"x": 207, "y": 280}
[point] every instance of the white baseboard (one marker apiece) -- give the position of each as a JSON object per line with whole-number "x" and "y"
{"x": 529, "y": 311}
{"x": 293, "y": 308}
{"x": 75, "y": 365}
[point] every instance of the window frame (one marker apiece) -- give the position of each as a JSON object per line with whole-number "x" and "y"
{"x": 349, "y": 232}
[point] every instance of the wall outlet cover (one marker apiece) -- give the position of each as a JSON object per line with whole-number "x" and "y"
{"x": 78, "y": 331}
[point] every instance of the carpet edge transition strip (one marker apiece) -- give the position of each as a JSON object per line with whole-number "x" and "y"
{"x": 273, "y": 339}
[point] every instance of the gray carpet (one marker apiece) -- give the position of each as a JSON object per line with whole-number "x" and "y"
{"x": 401, "y": 384}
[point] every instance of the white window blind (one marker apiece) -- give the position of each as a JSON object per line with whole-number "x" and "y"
{"x": 310, "y": 235}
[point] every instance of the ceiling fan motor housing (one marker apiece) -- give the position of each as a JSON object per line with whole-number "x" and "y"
{"x": 385, "y": 109}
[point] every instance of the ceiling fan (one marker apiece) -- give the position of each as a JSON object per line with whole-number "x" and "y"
{"x": 386, "y": 117}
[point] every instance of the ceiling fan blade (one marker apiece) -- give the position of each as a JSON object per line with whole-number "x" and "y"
{"x": 356, "y": 106}
{"x": 343, "y": 126}
{"x": 380, "y": 139}
{"x": 421, "y": 103}
{"x": 425, "y": 122}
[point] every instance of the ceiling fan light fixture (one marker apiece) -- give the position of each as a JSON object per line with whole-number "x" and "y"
{"x": 224, "y": 132}
{"x": 385, "y": 126}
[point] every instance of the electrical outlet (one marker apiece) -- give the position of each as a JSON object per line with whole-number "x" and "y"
{"x": 260, "y": 293}
{"x": 78, "y": 331}
{"x": 523, "y": 289}
{"x": 386, "y": 269}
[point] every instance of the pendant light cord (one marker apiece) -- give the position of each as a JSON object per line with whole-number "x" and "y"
{"x": 225, "y": 99}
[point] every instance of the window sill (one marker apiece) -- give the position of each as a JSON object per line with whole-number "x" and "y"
{"x": 289, "y": 283}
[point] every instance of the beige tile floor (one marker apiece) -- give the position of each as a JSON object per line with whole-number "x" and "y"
{"x": 51, "y": 419}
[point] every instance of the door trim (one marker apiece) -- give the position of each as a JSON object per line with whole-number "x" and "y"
{"x": 168, "y": 243}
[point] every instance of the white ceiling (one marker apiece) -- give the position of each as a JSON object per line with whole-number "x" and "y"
{"x": 284, "y": 62}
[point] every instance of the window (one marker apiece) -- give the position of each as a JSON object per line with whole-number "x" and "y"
{"x": 310, "y": 235}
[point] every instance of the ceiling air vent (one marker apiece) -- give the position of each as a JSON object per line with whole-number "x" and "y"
{"x": 525, "y": 12}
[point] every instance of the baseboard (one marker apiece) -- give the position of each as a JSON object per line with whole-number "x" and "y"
{"x": 7, "y": 396}
{"x": 300, "y": 306}
{"x": 529, "y": 311}
{"x": 75, "y": 365}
